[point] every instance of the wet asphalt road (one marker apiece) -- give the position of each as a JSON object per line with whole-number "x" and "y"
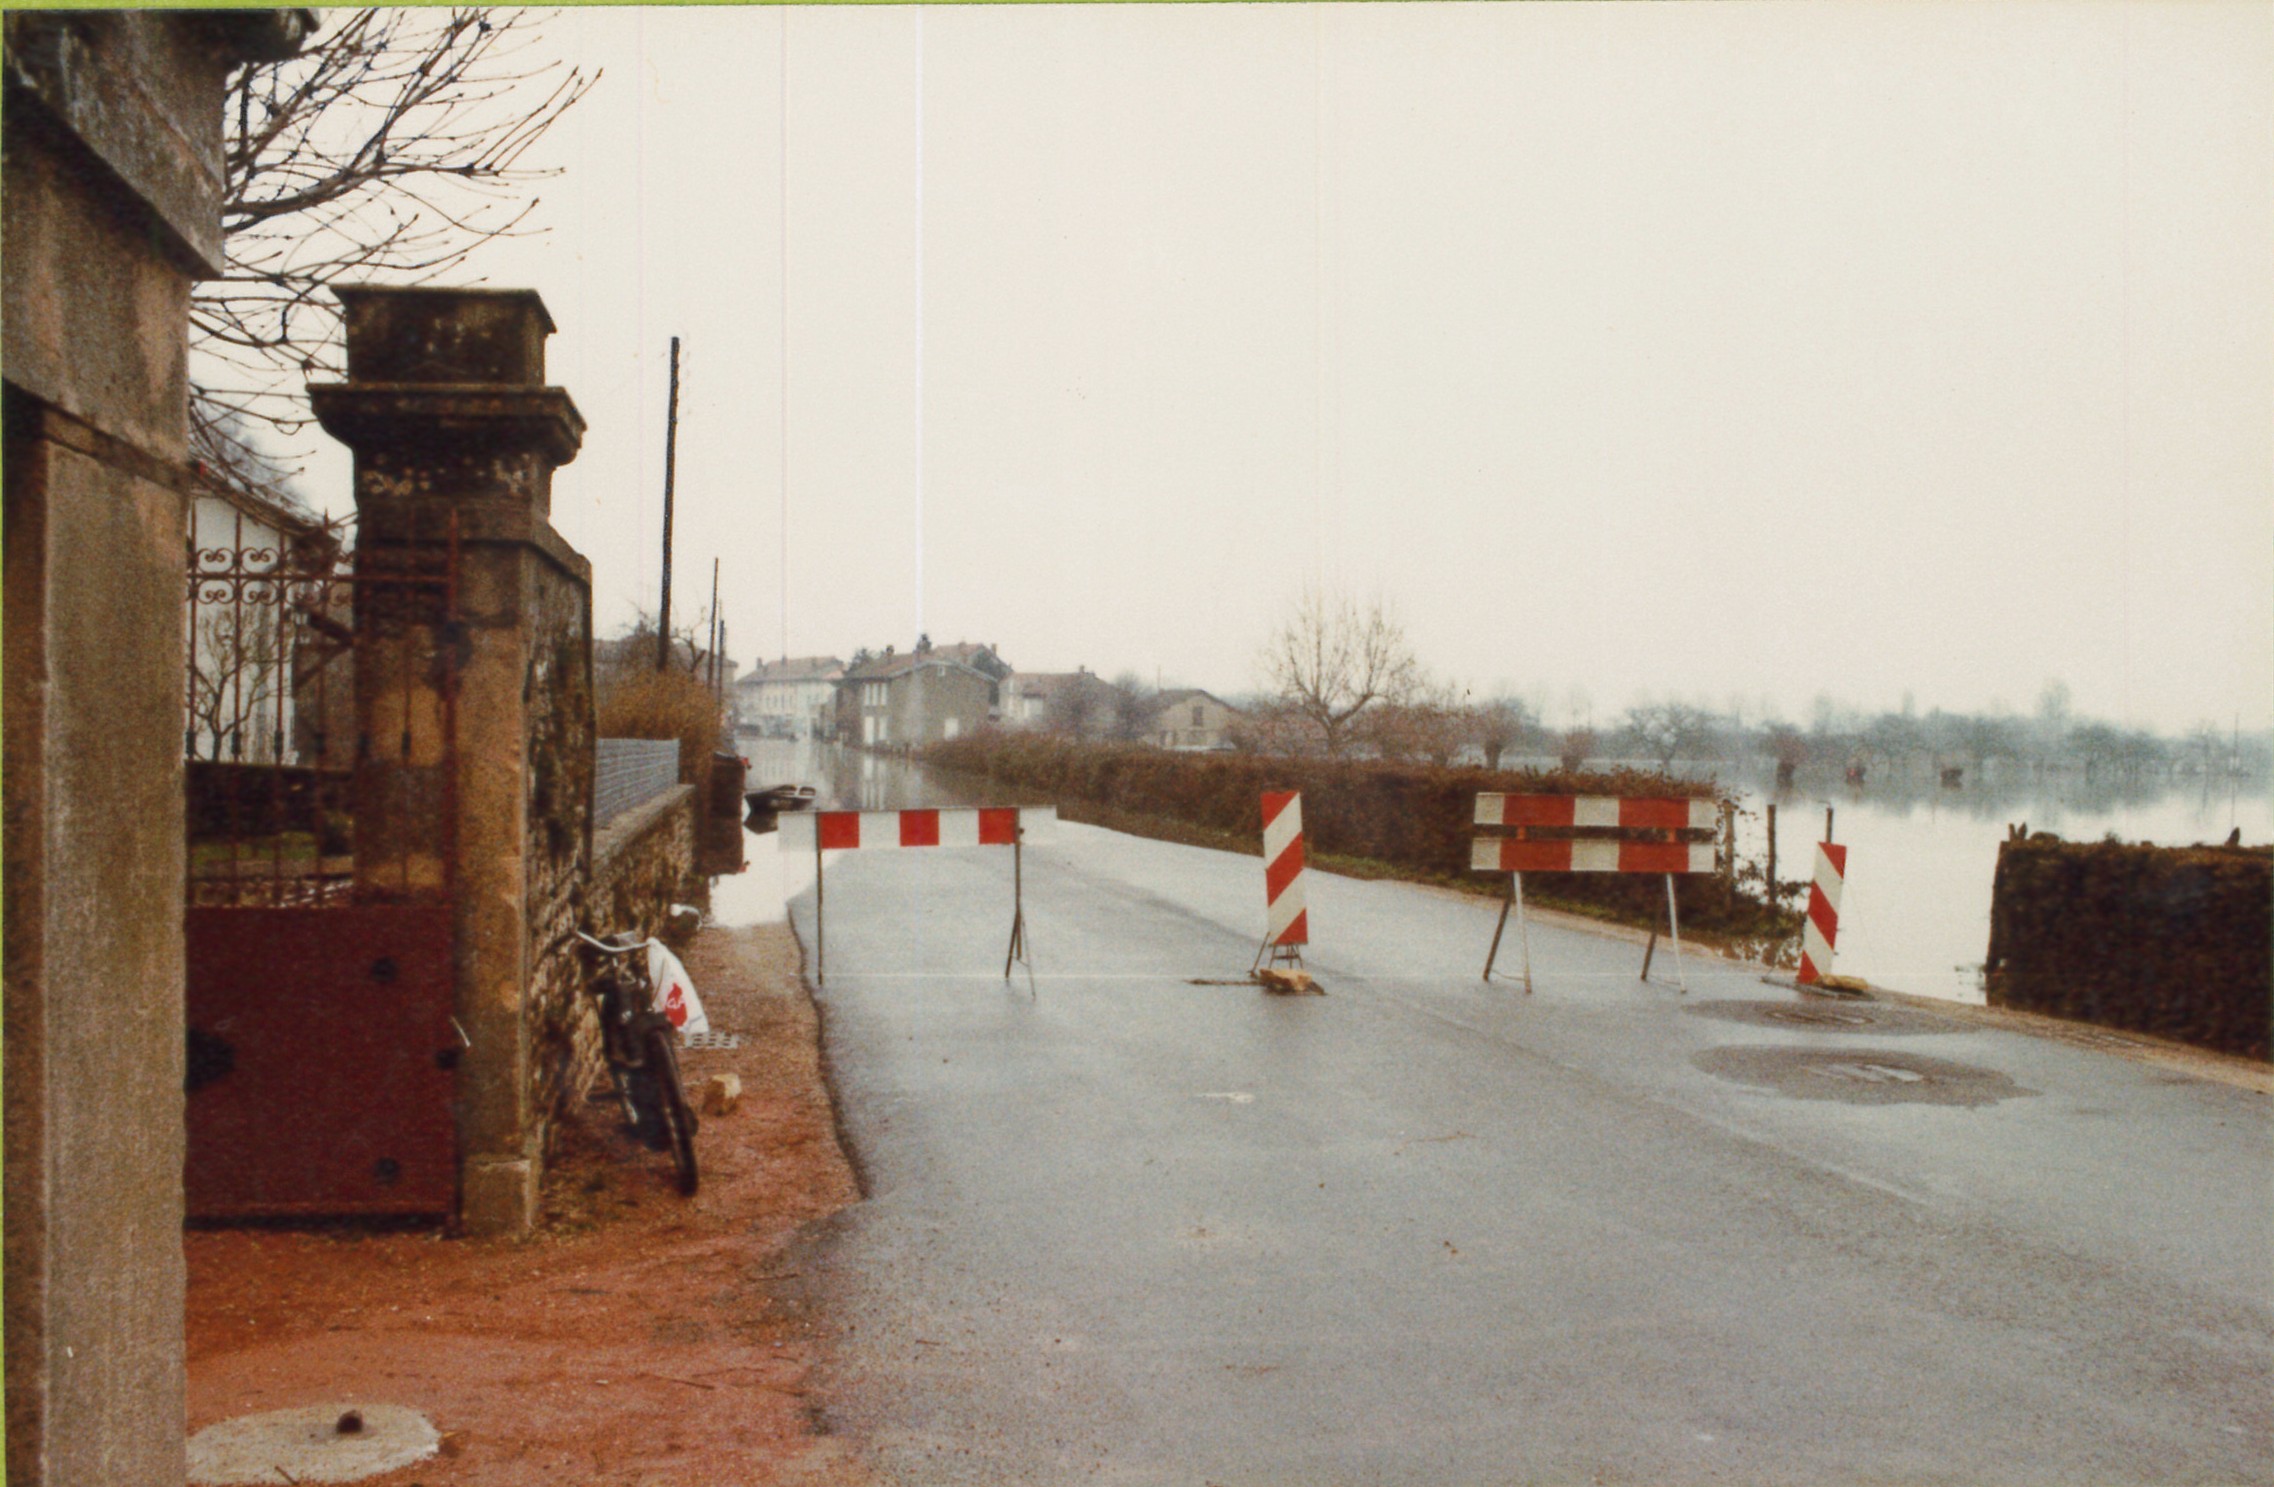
{"x": 1131, "y": 1229}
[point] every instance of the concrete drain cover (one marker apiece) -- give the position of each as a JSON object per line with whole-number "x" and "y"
{"x": 1828, "y": 1017}
{"x": 1860, "y": 1078}
{"x": 316, "y": 1443}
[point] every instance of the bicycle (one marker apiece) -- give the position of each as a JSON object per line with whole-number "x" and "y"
{"x": 642, "y": 1049}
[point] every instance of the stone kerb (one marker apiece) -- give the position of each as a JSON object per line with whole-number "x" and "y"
{"x": 451, "y": 424}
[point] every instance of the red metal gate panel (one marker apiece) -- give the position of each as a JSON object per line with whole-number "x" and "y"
{"x": 320, "y": 1055}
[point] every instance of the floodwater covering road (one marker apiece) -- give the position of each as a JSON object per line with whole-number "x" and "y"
{"x": 1125, "y": 1227}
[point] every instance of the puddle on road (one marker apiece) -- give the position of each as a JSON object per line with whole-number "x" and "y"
{"x": 1857, "y": 1077}
{"x": 1815, "y": 1016}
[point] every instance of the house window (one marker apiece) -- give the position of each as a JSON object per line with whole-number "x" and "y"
{"x": 951, "y": 726}
{"x": 1196, "y": 715}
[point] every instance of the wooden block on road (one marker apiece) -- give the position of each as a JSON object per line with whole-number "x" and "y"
{"x": 721, "y": 1093}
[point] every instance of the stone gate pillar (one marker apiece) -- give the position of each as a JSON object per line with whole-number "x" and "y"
{"x": 446, "y": 409}
{"x": 112, "y": 207}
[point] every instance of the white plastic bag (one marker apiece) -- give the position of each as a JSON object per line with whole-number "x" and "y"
{"x": 675, "y": 991}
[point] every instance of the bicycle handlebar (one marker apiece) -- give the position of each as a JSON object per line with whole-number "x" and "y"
{"x": 606, "y": 948}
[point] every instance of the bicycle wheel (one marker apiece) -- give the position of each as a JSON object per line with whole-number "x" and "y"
{"x": 674, "y": 1116}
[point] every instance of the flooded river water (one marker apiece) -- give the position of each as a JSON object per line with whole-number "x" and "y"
{"x": 1916, "y": 916}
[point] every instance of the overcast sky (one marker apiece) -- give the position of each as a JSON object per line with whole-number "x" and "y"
{"x": 1718, "y": 351}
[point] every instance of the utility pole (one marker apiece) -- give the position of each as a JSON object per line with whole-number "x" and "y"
{"x": 670, "y": 466}
{"x": 713, "y": 637}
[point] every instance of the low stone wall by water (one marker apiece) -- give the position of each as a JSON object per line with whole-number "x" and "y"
{"x": 2169, "y": 941}
{"x": 643, "y": 862}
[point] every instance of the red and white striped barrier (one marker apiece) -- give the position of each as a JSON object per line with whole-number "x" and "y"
{"x": 970, "y": 826}
{"x": 1521, "y": 854}
{"x": 1287, "y": 920}
{"x": 1822, "y": 926}
{"x": 1665, "y": 816}
{"x": 985, "y": 826}
{"x": 1505, "y": 854}
{"x": 1632, "y": 813}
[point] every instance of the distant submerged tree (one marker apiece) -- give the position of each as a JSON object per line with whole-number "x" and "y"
{"x": 1669, "y": 730}
{"x": 1500, "y": 725}
{"x": 1333, "y": 658}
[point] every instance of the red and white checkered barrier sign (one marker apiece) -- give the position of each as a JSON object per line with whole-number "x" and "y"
{"x": 1823, "y": 923}
{"x": 1505, "y": 854}
{"x": 1287, "y": 921}
{"x": 1660, "y": 815}
{"x": 989, "y": 826}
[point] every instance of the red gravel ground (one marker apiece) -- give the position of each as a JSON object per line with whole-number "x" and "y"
{"x": 637, "y": 1337}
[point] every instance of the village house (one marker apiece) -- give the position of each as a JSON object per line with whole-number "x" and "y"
{"x": 1189, "y": 719}
{"x": 909, "y": 699}
{"x": 1078, "y": 702}
{"x": 258, "y": 646}
{"x": 795, "y": 697}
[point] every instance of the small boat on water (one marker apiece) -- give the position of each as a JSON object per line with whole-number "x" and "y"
{"x": 766, "y": 805}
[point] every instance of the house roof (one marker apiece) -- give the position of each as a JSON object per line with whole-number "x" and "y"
{"x": 900, "y": 663}
{"x": 794, "y": 669}
{"x": 970, "y": 654}
{"x": 1048, "y": 684}
{"x": 1176, "y": 695}
{"x": 272, "y": 504}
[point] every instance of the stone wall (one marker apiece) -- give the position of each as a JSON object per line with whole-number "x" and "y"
{"x": 2176, "y": 942}
{"x": 643, "y": 862}
{"x": 558, "y": 859}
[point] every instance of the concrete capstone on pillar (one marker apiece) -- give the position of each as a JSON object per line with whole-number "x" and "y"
{"x": 474, "y": 713}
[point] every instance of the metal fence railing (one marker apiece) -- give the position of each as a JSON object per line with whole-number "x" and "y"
{"x": 629, "y": 771}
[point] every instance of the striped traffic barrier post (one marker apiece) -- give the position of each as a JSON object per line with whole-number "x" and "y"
{"x": 1822, "y": 926}
{"x": 983, "y": 826}
{"x": 1666, "y": 819}
{"x": 1287, "y": 921}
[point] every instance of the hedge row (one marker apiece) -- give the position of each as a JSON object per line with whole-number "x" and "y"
{"x": 1414, "y": 820}
{"x": 2173, "y": 941}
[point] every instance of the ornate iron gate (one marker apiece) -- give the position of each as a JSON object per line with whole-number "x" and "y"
{"x": 320, "y": 979}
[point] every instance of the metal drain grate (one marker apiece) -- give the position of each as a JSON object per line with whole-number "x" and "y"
{"x": 710, "y": 1040}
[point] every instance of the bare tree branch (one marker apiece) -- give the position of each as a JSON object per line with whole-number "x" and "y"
{"x": 390, "y": 148}
{"x": 1332, "y": 659}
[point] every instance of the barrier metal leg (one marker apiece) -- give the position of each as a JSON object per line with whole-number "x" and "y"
{"x": 1505, "y": 905}
{"x": 1017, "y": 952}
{"x": 820, "y": 954}
{"x": 1523, "y": 930}
{"x": 1514, "y": 900}
{"x": 1674, "y": 927}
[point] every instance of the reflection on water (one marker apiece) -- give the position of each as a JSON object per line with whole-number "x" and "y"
{"x": 843, "y": 780}
{"x": 1916, "y": 914}
{"x": 846, "y": 779}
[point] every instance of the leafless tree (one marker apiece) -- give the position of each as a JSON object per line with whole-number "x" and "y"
{"x": 1334, "y": 658}
{"x": 1270, "y": 726}
{"x": 1084, "y": 706}
{"x": 1499, "y": 725}
{"x": 1669, "y": 730}
{"x": 390, "y": 148}
{"x": 1133, "y": 707}
{"x": 1430, "y": 721}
